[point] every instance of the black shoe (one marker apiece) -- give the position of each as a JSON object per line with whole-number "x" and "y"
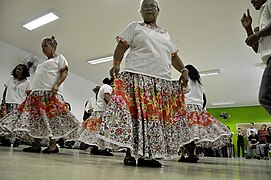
{"x": 48, "y": 151}
{"x": 16, "y": 143}
{"x": 148, "y": 163}
{"x": 191, "y": 159}
{"x": 182, "y": 159}
{"x": 258, "y": 157}
{"x": 96, "y": 151}
{"x": 248, "y": 157}
{"x": 129, "y": 161}
{"x": 32, "y": 149}
{"x": 5, "y": 142}
{"x": 106, "y": 153}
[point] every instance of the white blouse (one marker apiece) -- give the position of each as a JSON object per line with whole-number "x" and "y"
{"x": 151, "y": 50}
{"x": 48, "y": 73}
{"x": 16, "y": 90}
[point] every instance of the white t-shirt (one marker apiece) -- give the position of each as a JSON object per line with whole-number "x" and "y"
{"x": 48, "y": 73}
{"x": 194, "y": 94}
{"x": 249, "y": 133}
{"x": 150, "y": 50}
{"x": 91, "y": 104}
{"x": 16, "y": 90}
{"x": 101, "y": 105}
{"x": 265, "y": 42}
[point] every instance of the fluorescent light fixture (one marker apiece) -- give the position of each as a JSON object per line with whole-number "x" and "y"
{"x": 42, "y": 20}
{"x": 101, "y": 60}
{"x": 210, "y": 72}
{"x": 223, "y": 103}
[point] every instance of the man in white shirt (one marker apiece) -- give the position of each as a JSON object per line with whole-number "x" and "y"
{"x": 251, "y": 128}
{"x": 260, "y": 42}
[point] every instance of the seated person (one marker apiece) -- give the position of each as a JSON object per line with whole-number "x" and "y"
{"x": 263, "y": 134}
{"x": 253, "y": 141}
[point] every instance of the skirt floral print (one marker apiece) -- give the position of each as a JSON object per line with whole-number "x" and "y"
{"x": 7, "y": 123}
{"x": 88, "y": 133}
{"x": 142, "y": 115}
{"x": 201, "y": 127}
{"x": 42, "y": 115}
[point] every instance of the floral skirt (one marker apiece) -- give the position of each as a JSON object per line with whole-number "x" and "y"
{"x": 90, "y": 131}
{"x": 142, "y": 115}
{"x": 42, "y": 116}
{"x": 6, "y": 124}
{"x": 202, "y": 128}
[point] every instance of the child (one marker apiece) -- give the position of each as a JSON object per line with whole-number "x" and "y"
{"x": 44, "y": 113}
{"x": 16, "y": 90}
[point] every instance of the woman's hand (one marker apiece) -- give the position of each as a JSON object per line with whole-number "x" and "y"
{"x": 184, "y": 78}
{"x": 114, "y": 71}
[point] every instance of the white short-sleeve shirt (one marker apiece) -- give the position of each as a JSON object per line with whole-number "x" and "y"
{"x": 91, "y": 104}
{"x": 101, "y": 105}
{"x": 16, "y": 90}
{"x": 194, "y": 94}
{"x": 265, "y": 42}
{"x": 48, "y": 73}
{"x": 150, "y": 50}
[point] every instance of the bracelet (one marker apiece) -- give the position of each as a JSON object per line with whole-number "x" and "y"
{"x": 116, "y": 62}
{"x": 184, "y": 69}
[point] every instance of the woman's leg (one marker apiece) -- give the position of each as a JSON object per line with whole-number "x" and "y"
{"x": 129, "y": 160}
{"x": 52, "y": 147}
{"x": 52, "y": 144}
{"x": 35, "y": 148}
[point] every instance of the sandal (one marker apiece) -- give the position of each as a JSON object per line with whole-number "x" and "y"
{"x": 48, "y": 151}
{"x": 148, "y": 163}
{"x": 129, "y": 161}
{"x": 32, "y": 149}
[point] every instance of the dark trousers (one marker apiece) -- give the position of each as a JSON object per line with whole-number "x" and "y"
{"x": 240, "y": 145}
{"x": 265, "y": 88}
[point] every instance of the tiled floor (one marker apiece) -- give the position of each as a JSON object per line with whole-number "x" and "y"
{"x": 76, "y": 165}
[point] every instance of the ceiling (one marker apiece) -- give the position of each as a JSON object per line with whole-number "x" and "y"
{"x": 207, "y": 33}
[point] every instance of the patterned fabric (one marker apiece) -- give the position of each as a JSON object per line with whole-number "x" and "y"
{"x": 89, "y": 131}
{"x": 43, "y": 116}
{"x": 7, "y": 123}
{"x": 142, "y": 115}
{"x": 201, "y": 127}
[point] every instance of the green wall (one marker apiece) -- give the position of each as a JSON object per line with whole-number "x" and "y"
{"x": 238, "y": 115}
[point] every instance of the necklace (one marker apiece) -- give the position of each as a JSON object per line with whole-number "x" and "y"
{"x": 157, "y": 29}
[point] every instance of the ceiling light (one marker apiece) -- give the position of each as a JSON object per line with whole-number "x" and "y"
{"x": 210, "y": 72}
{"x": 42, "y": 20}
{"x": 223, "y": 103}
{"x": 101, "y": 60}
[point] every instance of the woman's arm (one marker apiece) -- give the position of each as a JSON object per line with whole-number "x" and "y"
{"x": 62, "y": 77}
{"x": 179, "y": 66}
{"x": 118, "y": 56}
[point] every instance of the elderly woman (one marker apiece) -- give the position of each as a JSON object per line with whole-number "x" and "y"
{"x": 145, "y": 101}
{"x": 16, "y": 90}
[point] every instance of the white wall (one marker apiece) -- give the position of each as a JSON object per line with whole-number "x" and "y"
{"x": 77, "y": 90}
